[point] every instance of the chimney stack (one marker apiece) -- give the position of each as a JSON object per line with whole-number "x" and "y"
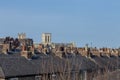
{"x": 26, "y": 54}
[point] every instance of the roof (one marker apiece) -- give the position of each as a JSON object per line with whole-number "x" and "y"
{"x": 79, "y": 62}
{"x": 110, "y": 63}
{"x": 115, "y": 75}
{"x": 48, "y": 63}
{"x": 14, "y": 65}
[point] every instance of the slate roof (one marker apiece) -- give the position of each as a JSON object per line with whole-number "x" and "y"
{"x": 115, "y": 61}
{"x": 13, "y": 65}
{"x": 48, "y": 63}
{"x": 115, "y": 75}
{"x": 106, "y": 62}
{"x": 79, "y": 62}
{"x": 101, "y": 61}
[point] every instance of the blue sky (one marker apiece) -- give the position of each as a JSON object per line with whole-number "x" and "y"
{"x": 81, "y": 21}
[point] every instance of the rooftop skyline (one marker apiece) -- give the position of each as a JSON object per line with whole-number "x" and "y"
{"x": 82, "y": 21}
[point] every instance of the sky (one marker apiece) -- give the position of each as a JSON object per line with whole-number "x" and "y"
{"x": 92, "y": 22}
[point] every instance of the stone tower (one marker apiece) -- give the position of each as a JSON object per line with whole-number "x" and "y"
{"x": 21, "y": 35}
{"x": 46, "y": 38}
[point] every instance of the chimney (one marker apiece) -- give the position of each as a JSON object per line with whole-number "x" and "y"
{"x": 4, "y": 48}
{"x": 75, "y": 51}
{"x": 86, "y": 47}
{"x": 60, "y": 52}
{"x": 26, "y": 54}
{"x": 68, "y": 50}
{"x": 88, "y": 52}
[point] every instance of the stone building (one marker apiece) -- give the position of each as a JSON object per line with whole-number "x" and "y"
{"x": 46, "y": 38}
{"x": 21, "y": 35}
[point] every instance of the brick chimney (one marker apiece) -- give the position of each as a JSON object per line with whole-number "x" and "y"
{"x": 60, "y": 52}
{"x": 4, "y": 48}
{"x": 26, "y": 54}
